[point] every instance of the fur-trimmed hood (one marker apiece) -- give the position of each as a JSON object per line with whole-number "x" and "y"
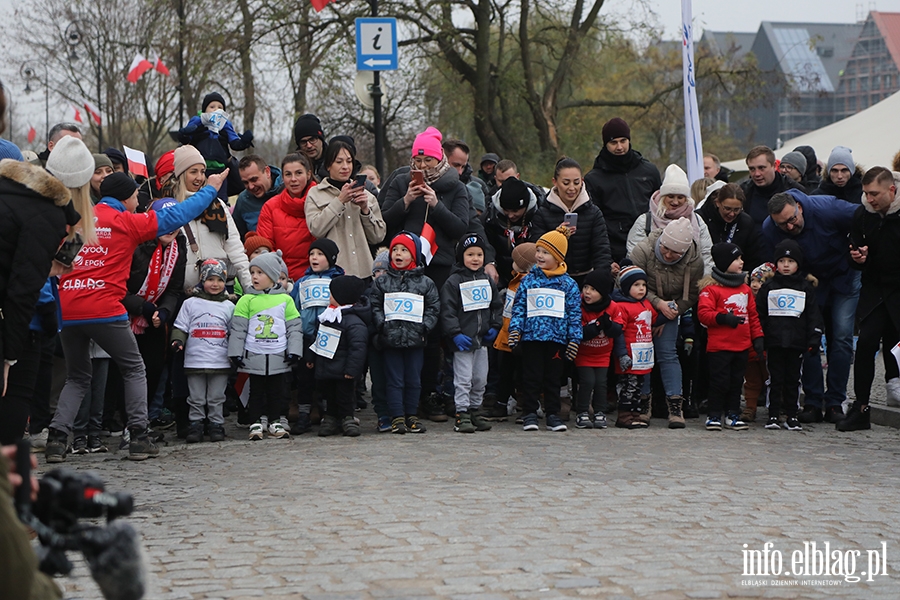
{"x": 36, "y": 179}
{"x": 895, "y": 205}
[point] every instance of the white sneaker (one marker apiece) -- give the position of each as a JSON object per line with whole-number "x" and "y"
{"x": 39, "y": 440}
{"x": 256, "y": 431}
{"x": 893, "y": 392}
{"x": 284, "y": 424}
{"x": 276, "y": 430}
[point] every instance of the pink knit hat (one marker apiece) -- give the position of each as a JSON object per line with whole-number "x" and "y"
{"x": 428, "y": 143}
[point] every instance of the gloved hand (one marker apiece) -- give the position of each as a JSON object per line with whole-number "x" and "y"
{"x": 513, "y": 339}
{"x": 590, "y": 331}
{"x": 604, "y": 322}
{"x": 625, "y": 362}
{"x": 463, "y": 342}
{"x": 236, "y": 362}
{"x": 490, "y": 336}
{"x": 759, "y": 347}
{"x": 730, "y": 319}
{"x": 177, "y": 345}
{"x": 247, "y": 137}
{"x": 293, "y": 360}
{"x": 688, "y": 346}
{"x": 572, "y": 350}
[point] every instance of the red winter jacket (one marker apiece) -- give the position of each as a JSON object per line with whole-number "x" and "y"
{"x": 637, "y": 317}
{"x": 596, "y": 352}
{"x": 716, "y": 299}
{"x": 283, "y": 220}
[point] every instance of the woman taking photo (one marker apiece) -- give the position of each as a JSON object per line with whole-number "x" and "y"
{"x": 344, "y": 212}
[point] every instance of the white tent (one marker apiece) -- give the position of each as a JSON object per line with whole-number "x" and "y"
{"x": 872, "y": 135}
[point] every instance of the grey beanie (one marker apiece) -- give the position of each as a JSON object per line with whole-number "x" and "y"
{"x": 796, "y": 160}
{"x": 271, "y": 264}
{"x": 382, "y": 261}
{"x": 71, "y": 162}
{"x": 841, "y": 155}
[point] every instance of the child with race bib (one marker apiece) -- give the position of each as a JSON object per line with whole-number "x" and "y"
{"x": 727, "y": 309}
{"x": 339, "y": 353}
{"x": 201, "y": 331}
{"x": 471, "y": 319}
{"x": 311, "y": 296}
{"x": 638, "y": 316}
{"x": 266, "y": 342}
{"x": 546, "y": 321}
{"x": 405, "y": 308}
{"x": 792, "y": 324}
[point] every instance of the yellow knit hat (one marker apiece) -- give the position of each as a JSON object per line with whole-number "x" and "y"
{"x": 556, "y": 242}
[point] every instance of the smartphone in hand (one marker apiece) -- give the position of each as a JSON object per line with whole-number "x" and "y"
{"x": 571, "y": 220}
{"x": 418, "y": 178}
{"x": 361, "y": 181}
{"x": 69, "y": 250}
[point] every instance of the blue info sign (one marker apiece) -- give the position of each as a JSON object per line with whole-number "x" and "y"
{"x": 376, "y": 44}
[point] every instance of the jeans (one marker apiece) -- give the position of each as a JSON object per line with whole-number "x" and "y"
{"x": 667, "y": 359}
{"x": 839, "y": 320}
{"x": 403, "y": 371}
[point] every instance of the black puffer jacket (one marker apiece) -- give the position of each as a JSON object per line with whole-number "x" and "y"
{"x": 796, "y": 332}
{"x": 852, "y": 192}
{"x": 503, "y": 236}
{"x": 881, "y": 271}
{"x": 589, "y": 246}
{"x": 742, "y": 231}
{"x": 474, "y": 323}
{"x": 405, "y": 334}
{"x": 756, "y": 203}
{"x": 621, "y": 187}
{"x": 34, "y": 210}
{"x": 350, "y": 356}
{"x": 168, "y": 303}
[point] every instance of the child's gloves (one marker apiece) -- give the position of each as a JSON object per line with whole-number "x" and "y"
{"x": 293, "y": 360}
{"x": 236, "y": 362}
{"x": 177, "y": 345}
{"x": 463, "y": 342}
{"x": 625, "y": 362}
{"x": 513, "y": 339}
{"x": 572, "y": 350}
{"x": 490, "y": 336}
{"x": 729, "y": 319}
{"x": 759, "y": 347}
{"x": 605, "y": 323}
{"x": 590, "y": 331}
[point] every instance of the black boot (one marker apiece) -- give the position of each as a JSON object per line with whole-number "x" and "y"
{"x": 856, "y": 420}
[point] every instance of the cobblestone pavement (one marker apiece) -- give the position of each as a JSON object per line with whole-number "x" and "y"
{"x": 509, "y": 514}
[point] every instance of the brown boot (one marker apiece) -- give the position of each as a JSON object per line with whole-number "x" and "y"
{"x": 645, "y": 410}
{"x": 637, "y": 421}
{"x": 748, "y": 415}
{"x": 676, "y": 419}
{"x": 625, "y": 420}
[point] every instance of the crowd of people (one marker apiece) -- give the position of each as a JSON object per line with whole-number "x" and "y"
{"x": 279, "y": 291}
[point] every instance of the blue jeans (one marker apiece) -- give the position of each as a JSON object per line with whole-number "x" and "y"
{"x": 839, "y": 320}
{"x": 666, "y": 357}
{"x": 402, "y": 370}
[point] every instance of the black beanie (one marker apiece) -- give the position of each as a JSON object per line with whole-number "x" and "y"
{"x": 347, "y": 289}
{"x": 119, "y": 186}
{"x": 723, "y": 254}
{"x": 344, "y": 138}
{"x": 615, "y": 128}
{"x": 513, "y": 194}
{"x": 118, "y": 157}
{"x": 212, "y": 97}
{"x": 601, "y": 280}
{"x": 785, "y": 248}
{"x": 308, "y": 125}
{"x": 328, "y": 248}
{"x": 467, "y": 241}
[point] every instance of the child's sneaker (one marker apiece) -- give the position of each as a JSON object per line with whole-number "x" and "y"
{"x": 713, "y": 423}
{"x": 79, "y": 445}
{"x": 554, "y": 423}
{"x": 216, "y": 432}
{"x": 773, "y": 423}
{"x": 792, "y": 424}
{"x": 480, "y": 421}
{"x": 256, "y": 431}
{"x": 195, "y": 433}
{"x": 398, "y": 425}
{"x": 734, "y": 422}
{"x": 302, "y": 424}
{"x": 414, "y": 425}
{"x": 330, "y": 426}
{"x": 583, "y": 421}
{"x": 384, "y": 424}
{"x": 600, "y": 421}
{"x": 95, "y": 444}
{"x": 530, "y": 422}
{"x": 284, "y": 424}
{"x": 496, "y": 411}
{"x": 350, "y": 427}
{"x": 463, "y": 423}
{"x": 277, "y": 430}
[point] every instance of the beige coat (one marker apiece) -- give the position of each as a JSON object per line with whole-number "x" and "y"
{"x": 676, "y": 282}
{"x": 346, "y": 226}
{"x": 214, "y": 245}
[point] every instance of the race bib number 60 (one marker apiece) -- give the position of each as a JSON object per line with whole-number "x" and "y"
{"x": 544, "y": 302}
{"x": 403, "y": 306}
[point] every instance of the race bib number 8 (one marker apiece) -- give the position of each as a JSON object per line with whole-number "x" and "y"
{"x": 402, "y": 306}
{"x": 786, "y": 303}
{"x": 641, "y": 356}
{"x": 327, "y": 340}
{"x": 544, "y": 302}
{"x": 315, "y": 292}
{"x": 508, "y": 304}
{"x": 475, "y": 295}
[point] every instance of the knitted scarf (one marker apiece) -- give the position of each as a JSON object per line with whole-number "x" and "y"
{"x": 662, "y": 216}
{"x": 729, "y": 279}
{"x": 215, "y": 219}
{"x": 159, "y": 272}
{"x": 434, "y": 173}
{"x": 559, "y": 270}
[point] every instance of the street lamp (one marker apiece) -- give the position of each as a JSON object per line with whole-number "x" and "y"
{"x": 28, "y": 73}
{"x": 74, "y": 39}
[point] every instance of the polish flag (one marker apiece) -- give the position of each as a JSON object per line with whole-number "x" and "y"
{"x": 139, "y": 66}
{"x": 160, "y": 66}
{"x": 32, "y": 134}
{"x": 320, "y": 4}
{"x": 137, "y": 162}
{"x": 429, "y": 245}
{"x": 77, "y": 114}
{"x": 93, "y": 112}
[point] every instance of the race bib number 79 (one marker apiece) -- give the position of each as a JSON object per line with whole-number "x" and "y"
{"x": 403, "y": 306}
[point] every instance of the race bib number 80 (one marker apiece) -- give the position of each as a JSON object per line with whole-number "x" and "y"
{"x": 403, "y": 306}
{"x": 475, "y": 295}
{"x": 544, "y": 302}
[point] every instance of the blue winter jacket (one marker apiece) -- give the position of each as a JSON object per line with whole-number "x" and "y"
{"x": 309, "y": 316}
{"x": 546, "y": 328}
{"x": 825, "y": 243}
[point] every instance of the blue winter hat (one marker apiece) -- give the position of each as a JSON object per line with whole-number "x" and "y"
{"x": 9, "y": 150}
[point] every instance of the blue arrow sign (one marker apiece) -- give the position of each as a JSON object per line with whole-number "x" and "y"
{"x": 376, "y": 44}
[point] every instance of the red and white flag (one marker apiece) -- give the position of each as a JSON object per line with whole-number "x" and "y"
{"x": 320, "y": 4}
{"x": 93, "y": 112}
{"x": 139, "y": 66}
{"x": 429, "y": 245}
{"x": 137, "y": 162}
{"x": 76, "y": 114}
{"x": 32, "y": 134}
{"x": 160, "y": 66}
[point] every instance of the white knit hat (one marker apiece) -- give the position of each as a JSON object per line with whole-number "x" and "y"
{"x": 678, "y": 236}
{"x": 185, "y": 158}
{"x": 675, "y": 182}
{"x": 71, "y": 162}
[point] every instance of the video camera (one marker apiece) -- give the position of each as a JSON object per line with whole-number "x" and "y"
{"x": 113, "y": 551}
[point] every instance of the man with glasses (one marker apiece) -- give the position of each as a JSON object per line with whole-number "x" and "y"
{"x": 821, "y": 226}
{"x": 764, "y": 182}
{"x": 310, "y": 138}
{"x": 843, "y": 179}
{"x": 793, "y": 165}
